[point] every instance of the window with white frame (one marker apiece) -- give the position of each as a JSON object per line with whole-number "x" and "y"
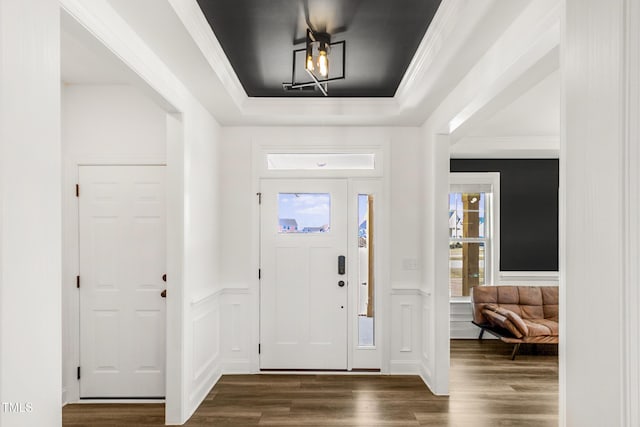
{"x": 473, "y": 231}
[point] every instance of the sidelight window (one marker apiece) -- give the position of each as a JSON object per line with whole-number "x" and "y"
{"x": 366, "y": 279}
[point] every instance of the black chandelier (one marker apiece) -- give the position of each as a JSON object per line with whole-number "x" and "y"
{"x": 317, "y": 57}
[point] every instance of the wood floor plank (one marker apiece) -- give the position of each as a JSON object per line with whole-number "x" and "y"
{"x": 487, "y": 389}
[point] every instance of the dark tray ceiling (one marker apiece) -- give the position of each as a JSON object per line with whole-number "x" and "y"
{"x": 258, "y": 38}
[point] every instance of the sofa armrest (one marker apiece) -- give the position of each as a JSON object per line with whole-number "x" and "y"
{"x": 506, "y": 319}
{"x": 512, "y": 316}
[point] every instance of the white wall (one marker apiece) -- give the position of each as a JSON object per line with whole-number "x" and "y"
{"x": 435, "y": 278}
{"x": 239, "y": 234}
{"x": 111, "y": 123}
{"x": 100, "y": 124}
{"x": 599, "y": 193}
{"x": 30, "y": 331}
{"x": 193, "y": 314}
{"x": 201, "y": 282}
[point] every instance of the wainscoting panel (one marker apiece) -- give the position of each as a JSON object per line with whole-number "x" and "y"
{"x": 405, "y": 339}
{"x": 205, "y": 367}
{"x": 236, "y": 334}
{"x": 426, "y": 365}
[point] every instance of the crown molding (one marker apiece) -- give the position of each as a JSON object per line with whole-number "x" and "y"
{"x": 152, "y": 75}
{"x": 442, "y": 25}
{"x": 189, "y": 12}
{"x": 511, "y": 147}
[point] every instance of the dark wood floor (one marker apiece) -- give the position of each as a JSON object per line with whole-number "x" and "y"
{"x": 487, "y": 389}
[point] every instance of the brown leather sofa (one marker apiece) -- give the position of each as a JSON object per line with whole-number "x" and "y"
{"x": 517, "y": 314}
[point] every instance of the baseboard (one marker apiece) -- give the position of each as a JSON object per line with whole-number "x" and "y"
{"x": 236, "y": 367}
{"x": 404, "y": 367}
{"x": 202, "y": 391}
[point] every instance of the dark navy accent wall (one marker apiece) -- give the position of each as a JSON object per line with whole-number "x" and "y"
{"x": 528, "y": 210}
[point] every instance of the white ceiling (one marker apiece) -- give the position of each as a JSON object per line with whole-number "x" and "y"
{"x": 85, "y": 61}
{"x": 535, "y": 113}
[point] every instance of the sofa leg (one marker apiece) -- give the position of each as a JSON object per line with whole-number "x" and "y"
{"x": 481, "y": 334}
{"x": 515, "y": 351}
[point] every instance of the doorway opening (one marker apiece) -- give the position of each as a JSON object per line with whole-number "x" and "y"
{"x": 122, "y": 269}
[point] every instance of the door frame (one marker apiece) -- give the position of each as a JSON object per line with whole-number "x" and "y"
{"x": 71, "y": 267}
{"x": 357, "y": 181}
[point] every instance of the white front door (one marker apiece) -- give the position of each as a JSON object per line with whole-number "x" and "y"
{"x": 303, "y": 293}
{"x": 122, "y": 261}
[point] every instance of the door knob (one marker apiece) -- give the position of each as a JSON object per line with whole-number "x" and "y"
{"x": 164, "y": 277}
{"x": 163, "y": 294}
{"x": 341, "y": 283}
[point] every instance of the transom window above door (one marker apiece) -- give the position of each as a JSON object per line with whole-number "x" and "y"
{"x": 321, "y": 161}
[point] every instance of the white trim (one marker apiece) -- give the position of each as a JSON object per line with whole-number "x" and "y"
{"x": 197, "y": 26}
{"x": 200, "y": 299}
{"x": 631, "y": 293}
{"x": 442, "y": 24}
{"x": 219, "y": 292}
{"x": 103, "y": 23}
{"x": 534, "y": 65}
{"x": 315, "y": 147}
{"x": 451, "y": 42}
{"x": 507, "y": 147}
{"x": 118, "y": 401}
{"x": 314, "y": 373}
{"x": 380, "y": 182}
{"x": 492, "y": 214}
{"x": 70, "y": 253}
{"x": 365, "y": 356}
{"x": 534, "y": 278}
{"x": 598, "y": 81}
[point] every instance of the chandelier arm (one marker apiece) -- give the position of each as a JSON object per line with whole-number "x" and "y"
{"x": 322, "y": 89}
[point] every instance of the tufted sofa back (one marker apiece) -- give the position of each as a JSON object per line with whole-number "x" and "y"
{"x": 529, "y": 302}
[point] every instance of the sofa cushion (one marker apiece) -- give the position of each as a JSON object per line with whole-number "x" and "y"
{"x": 530, "y": 295}
{"x": 541, "y": 327}
{"x": 508, "y": 295}
{"x": 512, "y": 316}
{"x": 497, "y": 319}
{"x": 528, "y": 302}
{"x": 513, "y": 307}
{"x": 550, "y": 300}
{"x": 480, "y": 296}
{"x": 532, "y": 311}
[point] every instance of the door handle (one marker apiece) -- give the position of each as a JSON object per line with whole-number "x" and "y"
{"x": 341, "y": 265}
{"x": 164, "y": 277}
{"x": 163, "y": 294}
{"x": 341, "y": 283}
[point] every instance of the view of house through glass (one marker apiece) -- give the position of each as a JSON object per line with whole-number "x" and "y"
{"x": 365, "y": 271}
{"x": 467, "y": 241}
{"x": 304, "y": 212}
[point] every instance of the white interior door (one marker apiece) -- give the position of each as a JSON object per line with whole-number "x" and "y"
{"x": 303, "y": 308}
{"x": 122, "y": 261}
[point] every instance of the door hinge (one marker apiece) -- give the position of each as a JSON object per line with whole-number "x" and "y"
{"x": 259, "y": 198}
{"x": 77, "y": 190}
{"x": 258, "y": 348}
{"x": 78, "y": 372}
{"x": 78, "y": 282}
{"x": 259, "y": 273}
